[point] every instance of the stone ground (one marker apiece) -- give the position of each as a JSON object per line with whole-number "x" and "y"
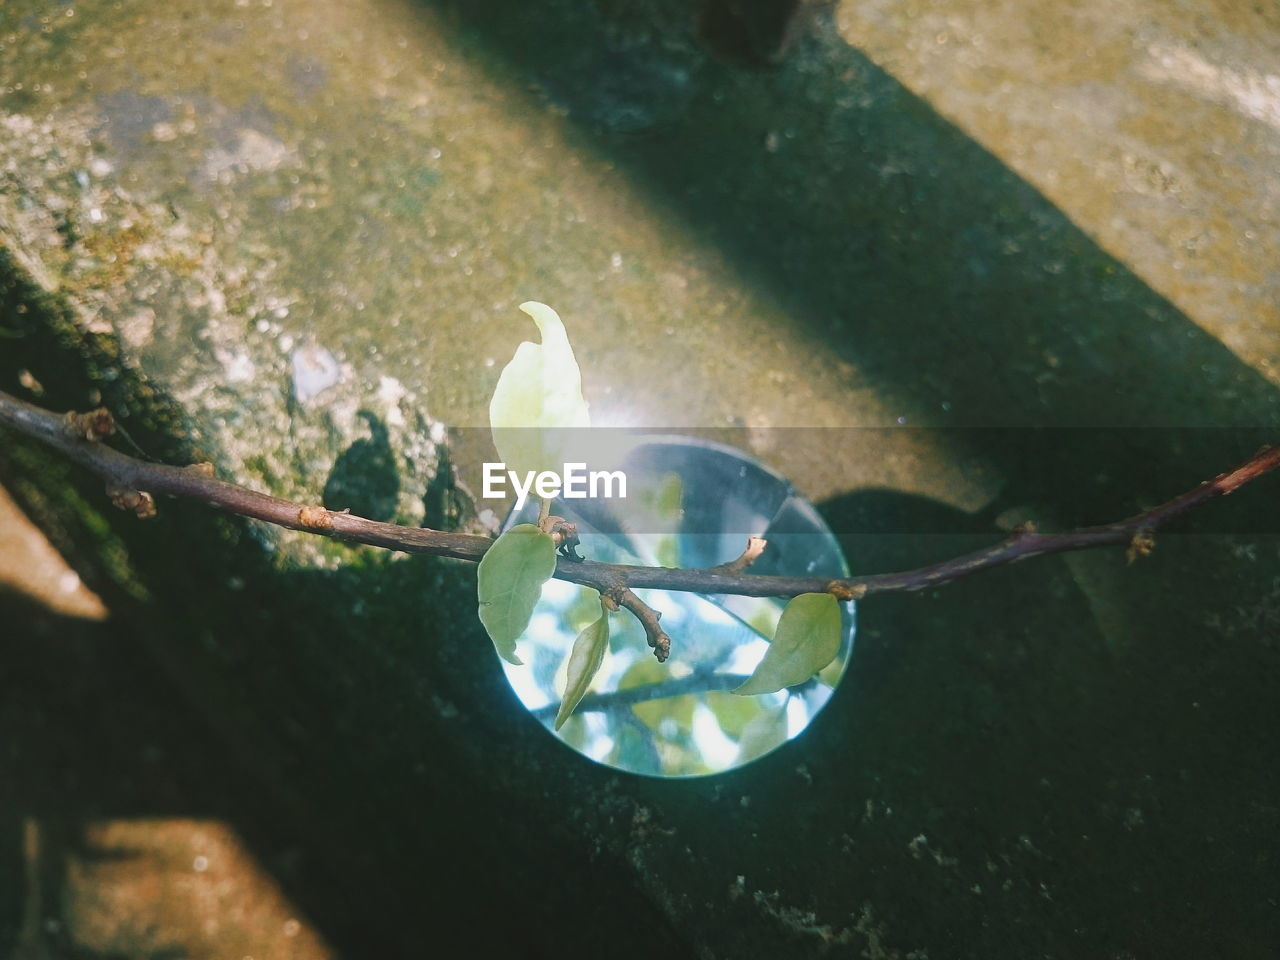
{"x": 947, "y": 266}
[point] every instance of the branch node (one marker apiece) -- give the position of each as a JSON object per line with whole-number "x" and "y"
{"x": 92, "y": 426}
{"x": 315, "y": 518}
{"x": 843, "y": 590}
{"x": 204, "y": 469}
{"x": 564, "y": 535}
{"x": 140, "y": 502}
{"x": 1143, "y": 543}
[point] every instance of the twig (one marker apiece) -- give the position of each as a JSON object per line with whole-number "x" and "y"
{"x": 128, "y": 476}
{"x": 755, "y": 547}
{"x": 648, "y": 617}
{"x": 196, "y": 482}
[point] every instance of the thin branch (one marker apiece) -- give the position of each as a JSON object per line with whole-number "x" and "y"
{"x": 196, "y": 482}
{"x": 129, "y": 478}
{"x": 648, "y": 617}
{"x": 755, "y": 547}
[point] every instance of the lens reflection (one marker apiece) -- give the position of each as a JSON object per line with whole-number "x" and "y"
{"x": 690, "y": 503}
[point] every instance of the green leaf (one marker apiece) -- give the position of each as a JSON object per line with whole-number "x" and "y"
{"x": 509, "y": 582}
{"x": 733, "y": 713}
{"x": 538, "y": 393}
{"x": 808, "y": 638}
{"x": 584, "y": 660}
{"x": 648, "y": 672}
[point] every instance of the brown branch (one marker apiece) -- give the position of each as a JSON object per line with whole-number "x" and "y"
{"x": 755, "y": 547}
{"x": 129, "y": 479}
{"x": 125, "y": 474}
{"x": 648, "y": 617}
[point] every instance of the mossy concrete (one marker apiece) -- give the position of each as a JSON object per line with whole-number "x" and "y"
{"x": 291, "y": 238}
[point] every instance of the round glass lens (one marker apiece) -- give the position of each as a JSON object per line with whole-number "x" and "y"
{"x": 689, "y": 503}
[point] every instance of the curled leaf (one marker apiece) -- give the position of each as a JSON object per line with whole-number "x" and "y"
{"x": 538, "y": 394}
{"x": 584, "y": 660}
{"x": 807, "y": 639}
{"x": 509, "y": 582}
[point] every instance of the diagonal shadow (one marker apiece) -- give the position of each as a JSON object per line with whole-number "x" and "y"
{"x": 956, "y": 288}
